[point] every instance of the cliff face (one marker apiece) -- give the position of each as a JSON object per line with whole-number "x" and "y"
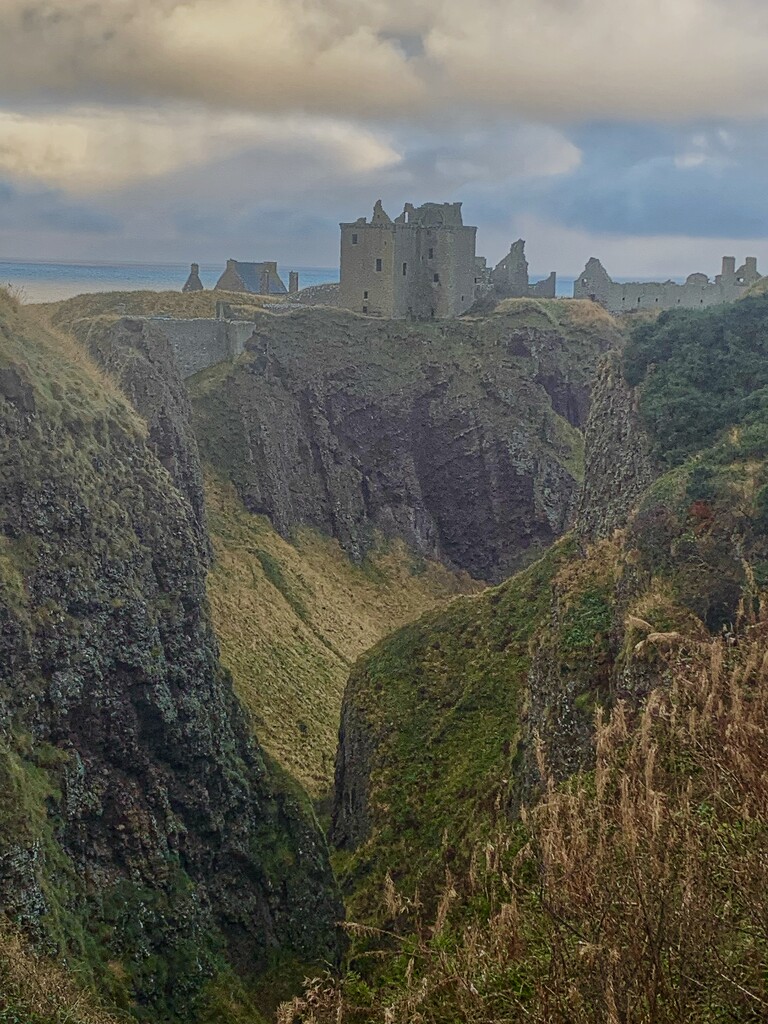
{"x": 461, "y": 438}
{"x": 618, "y": 467}
{"x": 447, "y": 726}
{"x": 142, "y": 834}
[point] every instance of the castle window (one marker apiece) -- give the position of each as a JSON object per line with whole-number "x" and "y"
{"x": 365, "y": 309}
{"x": 405, "y": 269}
{"x": 354, "y": 239}
{"x": 378, "y": 264}
{"x": 365, "y": 295}
{"x": 431, "y": 254}
{"x": 436, "y": 278}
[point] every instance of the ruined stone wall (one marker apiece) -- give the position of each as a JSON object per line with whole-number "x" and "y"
{"x": 198, "y": 344}
{"x": 696, "y": 292}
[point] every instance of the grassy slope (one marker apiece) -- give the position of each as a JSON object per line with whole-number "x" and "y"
{"x": 444, "y": 699}
{"x": 292, "y": 618}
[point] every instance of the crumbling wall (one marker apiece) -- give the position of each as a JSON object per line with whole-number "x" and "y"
{"x": 696, "y": 292}
{"x": 198, "y": 344}
{"x": 509, "y": 278}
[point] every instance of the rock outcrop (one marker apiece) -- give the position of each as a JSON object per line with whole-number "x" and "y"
{"x": 618, "y": 467}
{"x": 142, "y": 834}
{"x": 464, "y": 439}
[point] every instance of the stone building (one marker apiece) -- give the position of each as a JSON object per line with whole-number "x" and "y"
{"x": 258, "y": 278}
{"x": 509, "y": 278}
{"x": 421, "y": 265}
{"x": 697, "y": 291}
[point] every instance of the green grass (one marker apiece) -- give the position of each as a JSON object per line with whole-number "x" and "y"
{"x": 293, "y": 617}
{"x": 443, "y": 699}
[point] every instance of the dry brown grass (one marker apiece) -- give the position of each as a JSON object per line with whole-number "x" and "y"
{"x": 35, "y": 990}
{"x": 636, "y": 894}
{"x": 589, "y": 315}
{"x": 56, "y": 364}
{"x": 147, "y": 303}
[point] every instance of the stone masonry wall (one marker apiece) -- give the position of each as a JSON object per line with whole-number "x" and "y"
{"x": 198, "y": 344}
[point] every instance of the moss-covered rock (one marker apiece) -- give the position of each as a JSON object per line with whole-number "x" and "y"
{"x": 143, "y": 835}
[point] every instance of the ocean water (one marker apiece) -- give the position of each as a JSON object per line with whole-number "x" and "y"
{"x": 49, "y": 282}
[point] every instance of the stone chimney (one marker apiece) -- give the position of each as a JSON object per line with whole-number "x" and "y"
{"x": 194, "y": 284}
{"x": 293, "y": 281}
{"x": 264, "y": 283}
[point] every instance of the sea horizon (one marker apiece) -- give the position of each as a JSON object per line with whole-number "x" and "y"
{"x": 39, "y": 280}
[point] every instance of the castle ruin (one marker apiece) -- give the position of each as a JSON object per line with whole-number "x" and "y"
{"x": 509, "y": 278}
{"x": 697, "y": 291}
{"x": 421, "y": 265}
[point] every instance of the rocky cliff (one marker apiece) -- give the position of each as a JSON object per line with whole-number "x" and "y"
{"x": 450, "y": 725}
{"x": 143, "y": 836}
{"x": 462, "y": 438}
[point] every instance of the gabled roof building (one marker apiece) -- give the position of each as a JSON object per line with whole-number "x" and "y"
{"x": 257, "y": 278}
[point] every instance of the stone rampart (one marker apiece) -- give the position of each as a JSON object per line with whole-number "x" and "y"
{"x": 198, "y": 344}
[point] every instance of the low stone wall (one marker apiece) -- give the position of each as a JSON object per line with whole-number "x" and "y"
{"x": 198, "y": 344}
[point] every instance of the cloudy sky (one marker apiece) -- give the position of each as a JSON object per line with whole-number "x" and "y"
{"x": 161, "y": 130}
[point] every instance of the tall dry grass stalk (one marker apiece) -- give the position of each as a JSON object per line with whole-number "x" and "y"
{"x": 640, "y": 893}
{"x": 35, "y": 989}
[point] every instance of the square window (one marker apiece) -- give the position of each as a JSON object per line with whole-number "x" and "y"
{"x": 354, "y": 239}
{"x": 378, "y": 264}
{"x": 365, "y": 309}
{"x": 436, "y": 278}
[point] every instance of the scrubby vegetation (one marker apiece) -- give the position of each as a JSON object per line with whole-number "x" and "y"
{"x": 699, "y": 373}
{"x": 634, "y": 893}
{"x": 35, "y": 990}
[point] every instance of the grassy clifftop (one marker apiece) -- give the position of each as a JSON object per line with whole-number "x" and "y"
{"x": 184, "y": 305}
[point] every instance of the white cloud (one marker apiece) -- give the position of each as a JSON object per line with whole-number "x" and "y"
{"x": 85, "y": 149}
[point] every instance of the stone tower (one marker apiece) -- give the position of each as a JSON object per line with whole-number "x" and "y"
{"x": 422, "y": 264}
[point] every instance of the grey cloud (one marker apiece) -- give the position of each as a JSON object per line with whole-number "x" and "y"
{"x": 545, "y": 59}
{"x": 35, "y": 210}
